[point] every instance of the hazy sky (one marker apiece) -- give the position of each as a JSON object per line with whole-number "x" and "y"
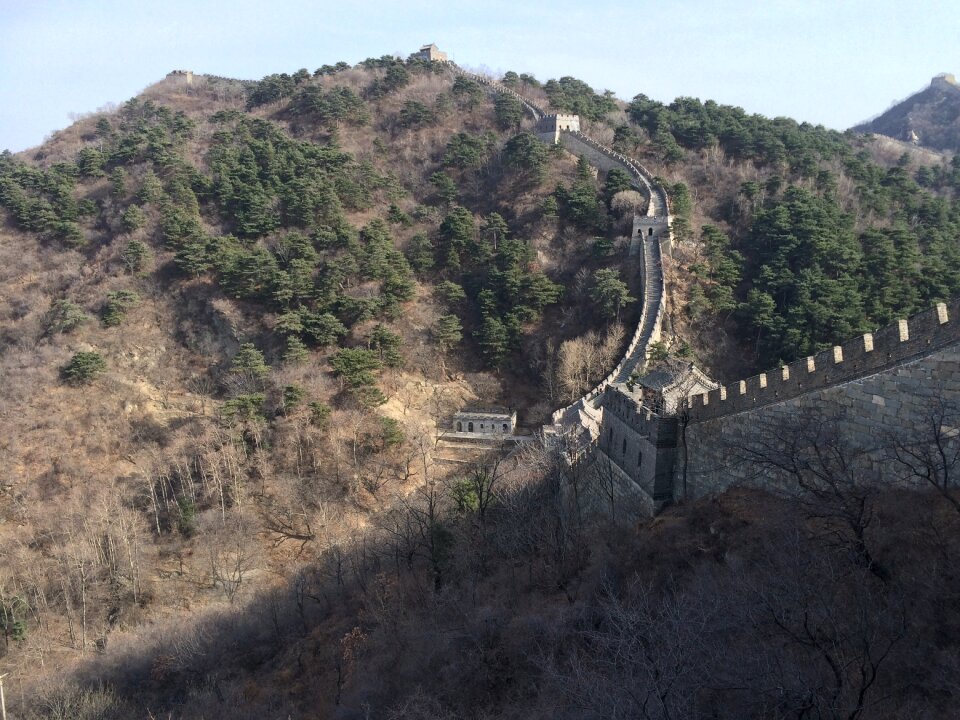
{"x": 832, "y": 62}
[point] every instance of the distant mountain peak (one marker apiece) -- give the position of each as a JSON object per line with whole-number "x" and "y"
{"x": 930, "y": 118}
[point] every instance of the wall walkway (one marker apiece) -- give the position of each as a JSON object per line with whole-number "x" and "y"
{"x": 585, "y": 412}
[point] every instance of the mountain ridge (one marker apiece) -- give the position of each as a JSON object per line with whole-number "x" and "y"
{"x": 929, "y": 118}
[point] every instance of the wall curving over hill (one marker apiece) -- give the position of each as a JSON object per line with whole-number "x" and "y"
{"x": 584, "y": 412}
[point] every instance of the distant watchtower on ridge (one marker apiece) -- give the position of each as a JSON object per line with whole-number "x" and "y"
{"x": 184, "y": 76}
{"x": 431, "y": 53}
{"x": 945, "y": 81}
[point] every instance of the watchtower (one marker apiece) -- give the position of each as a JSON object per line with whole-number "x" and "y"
{"x": 550, "y": 127}
{"x": 184, "y": 76}
{"x": 432, "y": 53}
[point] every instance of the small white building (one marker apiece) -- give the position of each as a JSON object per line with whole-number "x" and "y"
{"x": 485, "y": 422}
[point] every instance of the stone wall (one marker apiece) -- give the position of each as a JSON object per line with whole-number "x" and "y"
{"x": 642, "y": 444}
{"x": 893, "y": 345}
{"x": 565, "y": 129}
{"x": 897, "y": 402}
{"x": 647, "y": 330}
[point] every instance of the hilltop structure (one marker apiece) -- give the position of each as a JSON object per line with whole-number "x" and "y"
{"x": 432, "y": 53}
{"x": 184, "y": 76}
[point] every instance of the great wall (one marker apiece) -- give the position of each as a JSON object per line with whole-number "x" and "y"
{"x": 650, "y": 234}
{"x": 876, "y": 387}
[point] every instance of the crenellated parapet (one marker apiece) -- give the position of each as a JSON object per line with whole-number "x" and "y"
{"x": 532, "y": 108}
{"x": 900, "y": 342}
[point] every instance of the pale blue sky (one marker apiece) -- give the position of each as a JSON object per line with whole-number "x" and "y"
{"x": 834, "y": 63}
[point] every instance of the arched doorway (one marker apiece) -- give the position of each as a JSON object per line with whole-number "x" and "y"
{"x": 459, "y": 426}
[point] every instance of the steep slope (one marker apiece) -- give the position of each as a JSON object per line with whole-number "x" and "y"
{"x": 234, "y": 315}
{"x": 930, "y": 118}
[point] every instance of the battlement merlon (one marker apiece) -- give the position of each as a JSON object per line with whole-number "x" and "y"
{"x": 870, "y": 353}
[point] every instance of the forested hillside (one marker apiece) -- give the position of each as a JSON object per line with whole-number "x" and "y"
{"x": 799, "y": 236}
{"x": 235, "y": 314}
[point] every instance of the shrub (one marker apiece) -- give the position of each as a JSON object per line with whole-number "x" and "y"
{"x": 117, "y": 305}
{"x": 63, "y": 316}
{"x": 83, "y": 368}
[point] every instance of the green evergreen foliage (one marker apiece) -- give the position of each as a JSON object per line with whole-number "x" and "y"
{"x": 445, "y": 186}
{"x": 395, "y": 77}
{"x": 658, "y": 351}
{"x": 249, "y": 363}
{"x": 118, "y": 182}
{"x": 457, "y": 232}
{"x": 246, "y": 409}
{"x": 448, "y": 332}
{"x": 526, "y": 155}
{"x": 415, "y": 114}
{"x": 330, "y": 108}
{"x": 451, "y": 292}
{"x": 326, "y": 70}
{"x": 397, "y": 216}
{"x": 136, "y": 255}
{"x": 574, "y": 96}
{"x": 466, "y": 150}
{"x": 13, "y": 614}
{"x": 508, "y": 111}
{"x": 495, "y": 229}
{"x": 355, "y": 366}
{"x": 468, "y": 92}
{"x": 493, "y": 340}
{"x": 530, "y": 80}
{"x": 319, "y": 413}
{"x": 90, "y": 162}
{"x": 387, "y": 346}
{"x": 550, "y": 206}
{"x": 689, "y": 123}
{"x": 117, "y": 305}
{"x": 63, "y": 316}
{"x": 263, "y": 179}
{"x": 616, "y": 181}
{"x": 293, "y": 395}
{"x": 271, "y": 89}
{"x": 83, "y": 368}
{"x": 580, "y": 204}
{"x": 186, "y": 515}
{"x": 132, "y": 219}
{"x": 609, "y": 293}
{"x": 296, "y": 352}
{"x": 805, "y": 256}
{"x": 420, "y": 253}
